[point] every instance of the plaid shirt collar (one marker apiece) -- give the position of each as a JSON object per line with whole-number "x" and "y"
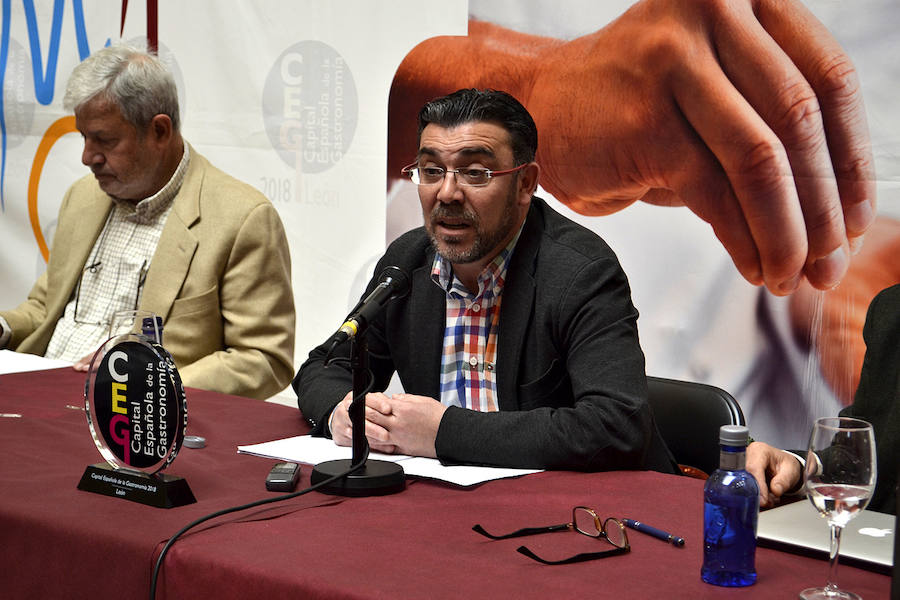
{"x": 149, "y": 209}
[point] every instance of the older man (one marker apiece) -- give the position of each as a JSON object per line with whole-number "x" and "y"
{"x": 517, "y": 344}
{"x": 157, "y": 227}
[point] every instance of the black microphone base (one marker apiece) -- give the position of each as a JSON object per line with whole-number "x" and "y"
{"x": 375, "y": 478}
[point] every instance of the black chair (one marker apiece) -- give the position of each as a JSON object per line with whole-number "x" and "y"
{"x": 688, "y": 416}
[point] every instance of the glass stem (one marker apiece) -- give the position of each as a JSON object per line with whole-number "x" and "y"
{"x": 832, "y": 586}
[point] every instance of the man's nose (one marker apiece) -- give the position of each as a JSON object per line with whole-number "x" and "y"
{"x": 449, "y": 190}
{"x": 90, "y": 156}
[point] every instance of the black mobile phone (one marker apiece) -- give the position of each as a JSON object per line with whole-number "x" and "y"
{"x": 283, "y": 477}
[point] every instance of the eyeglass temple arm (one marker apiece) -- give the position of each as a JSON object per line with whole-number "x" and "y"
{"x": 584, "y": 557}
{"x": 522, "y": 532}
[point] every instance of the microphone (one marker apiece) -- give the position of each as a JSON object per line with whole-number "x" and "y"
{"x": 369, "y": 477}
{"x": 393, "y": 283}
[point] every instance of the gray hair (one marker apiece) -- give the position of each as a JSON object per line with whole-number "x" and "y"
{"x": 136, "y": 82}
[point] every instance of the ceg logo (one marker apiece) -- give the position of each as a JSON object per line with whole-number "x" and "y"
{"x": 310, "y": 106}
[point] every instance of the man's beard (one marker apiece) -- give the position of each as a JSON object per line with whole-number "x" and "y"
{"x": 485, "y": 241}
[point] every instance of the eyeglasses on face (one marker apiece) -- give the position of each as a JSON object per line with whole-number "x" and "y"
{"x": 470, "y": 176}
{"x": 584, "y": 521}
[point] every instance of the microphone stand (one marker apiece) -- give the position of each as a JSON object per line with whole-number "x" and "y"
{"x": 376, "y": 477}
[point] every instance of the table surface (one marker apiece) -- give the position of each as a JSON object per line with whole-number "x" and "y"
{"x": 57, "y": 541}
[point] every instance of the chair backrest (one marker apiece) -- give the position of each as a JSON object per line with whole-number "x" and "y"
{"x": 688, "y": 416}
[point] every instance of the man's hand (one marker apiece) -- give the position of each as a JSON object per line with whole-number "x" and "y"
{"x": 339, "y": 422}
{"x": 398, "y": 424}
{"x": 84, "y": 363}
{"x": 781, "y": 469}
{"x": 403, "y": 423}
{"x": 748, "y": 112}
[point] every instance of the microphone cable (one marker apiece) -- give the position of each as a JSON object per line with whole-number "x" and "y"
{"x": 225, "y": 511}
{"x": 352, "y": 469}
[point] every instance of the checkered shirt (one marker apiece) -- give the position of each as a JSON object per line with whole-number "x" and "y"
{"x": 113, "y": 277}
{"x": 468, "y": 362}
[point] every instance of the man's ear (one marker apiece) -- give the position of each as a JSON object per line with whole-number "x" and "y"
{"x": 161, "y": 128}
{"x": 528, "y": 180}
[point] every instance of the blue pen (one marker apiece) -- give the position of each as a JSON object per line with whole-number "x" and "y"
{"x": 657, "y": 533}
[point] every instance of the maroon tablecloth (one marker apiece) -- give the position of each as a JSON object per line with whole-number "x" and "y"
{"x": 59, "y": 542}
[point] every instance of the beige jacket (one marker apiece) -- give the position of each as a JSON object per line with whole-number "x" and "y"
{"x": 220, "y": 278}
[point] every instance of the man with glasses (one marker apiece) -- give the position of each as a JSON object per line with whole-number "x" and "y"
{"x": 517, "y": 344}
{"x": 156, "y": 227}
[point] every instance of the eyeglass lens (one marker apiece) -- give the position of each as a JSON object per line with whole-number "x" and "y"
{"x": 433, "y": 175}
{"x": 587, "y": 522}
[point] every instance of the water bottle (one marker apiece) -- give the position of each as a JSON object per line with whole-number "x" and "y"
{"x": 152, "y": 327}
{"x": 730, "y": 511}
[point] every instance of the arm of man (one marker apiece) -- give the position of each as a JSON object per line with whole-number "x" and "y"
{"x": 26, "y": 317}
{"x": 607, "y": 425}
{"x": 581, "y": 393}
{"x": 322, "y": 391}
{"x": 257, "y": 308}
{"x": 397, "y": 424}
{"x": 776, "y": 472}
{"x": 701, "y": 104}
{"x": 580, "y": 403}
{"x": 319, "y": 387}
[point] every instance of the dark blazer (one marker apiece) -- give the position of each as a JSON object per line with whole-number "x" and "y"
{"x": 570, "y": 372}
{"x": 877, "y": 398}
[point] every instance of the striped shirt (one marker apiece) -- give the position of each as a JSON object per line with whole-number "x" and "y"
{"x": 113, "y": 276}
{"x": 468, "y": 361}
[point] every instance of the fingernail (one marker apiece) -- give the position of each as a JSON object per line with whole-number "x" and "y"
{"x": 827, "y": 272}
{"x": 858, "y": 217}
{"x": 754, "y": 276}
{"x": 856, "y": 244}
{"x": 787, "y": 287}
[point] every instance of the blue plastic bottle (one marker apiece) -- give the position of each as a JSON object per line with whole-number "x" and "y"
{"x": 730, "y": 511}
{"x": 152, "y": 327}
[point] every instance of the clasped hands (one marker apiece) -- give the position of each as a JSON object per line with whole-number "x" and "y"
{"x": 396, "y": 424}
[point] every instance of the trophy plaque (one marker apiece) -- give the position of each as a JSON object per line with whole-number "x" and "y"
{"x": 137, "y": 414}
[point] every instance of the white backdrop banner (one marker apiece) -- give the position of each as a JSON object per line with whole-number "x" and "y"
{"x": 292, "y": 97}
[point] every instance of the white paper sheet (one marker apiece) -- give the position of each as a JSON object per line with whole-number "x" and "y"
{"x": 313, "y": 450}
{"x": 18, "y": 362}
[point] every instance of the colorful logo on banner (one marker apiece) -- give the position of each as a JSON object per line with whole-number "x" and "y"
{"x": 44, "y": 79}
{"x": 16, "y": 105}
{"x": 310, "y": 106}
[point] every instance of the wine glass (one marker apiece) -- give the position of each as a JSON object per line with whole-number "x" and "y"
{"x": 840, "y": 478}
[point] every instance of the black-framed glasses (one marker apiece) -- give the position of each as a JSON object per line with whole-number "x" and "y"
{"x": 470, "y": 176}
{"x": 584, "y": 521}
{"x": 95, "y": 268}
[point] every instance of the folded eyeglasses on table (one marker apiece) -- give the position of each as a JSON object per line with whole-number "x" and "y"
{"x": 584, "y": 521}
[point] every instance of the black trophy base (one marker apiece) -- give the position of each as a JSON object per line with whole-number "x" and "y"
{"x": 375, "y": 478}
{"x": 159, "y": 490}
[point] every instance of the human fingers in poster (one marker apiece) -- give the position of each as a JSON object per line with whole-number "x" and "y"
{"x": 749, "y": 113}
{"x": 833, "y": 330}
